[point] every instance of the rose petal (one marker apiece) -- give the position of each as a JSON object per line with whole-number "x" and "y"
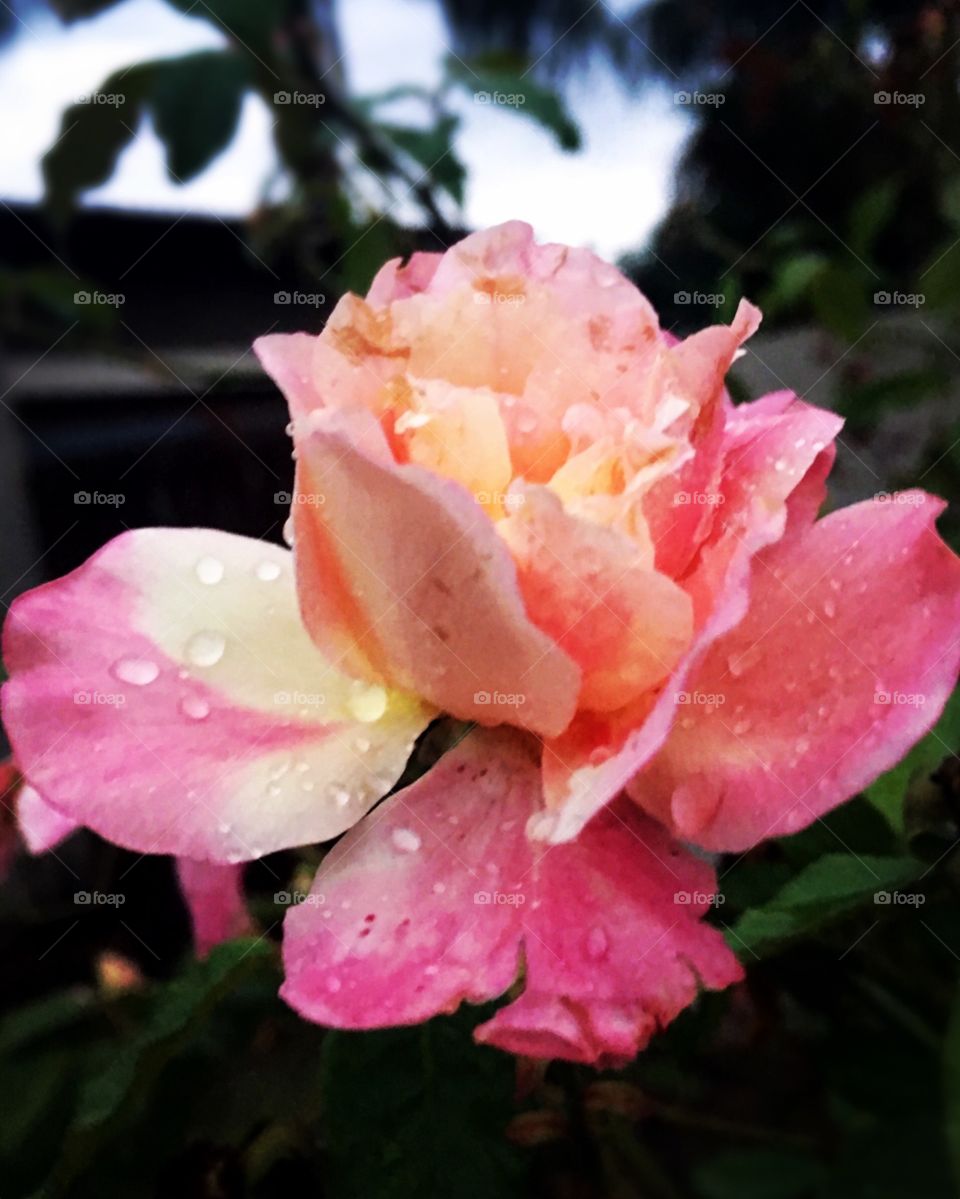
{"x": 41, "y": 826}
{"x": 214, "y": 896}
{"x": 166, "y": 695}
{"x": 626, "y": 626}
{"x": 422, "y": 589}
{"x": 845, "y": 658}
{"x": 438, "y": 897}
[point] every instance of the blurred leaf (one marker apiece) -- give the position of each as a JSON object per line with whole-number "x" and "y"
{"x": 827, "y": 889}
{"x": 793, "y": 282}
{"x": 416, "y": 1112}
{"x": 177, "y": 1006}
{"x": 887, "y": 793}
{"x": 840, "y": 301}
{"x": 863, "y": 406}
{"x": 758, "y": 1174}
{"x": 498, "y": 75}
{"x": 92, "y": 135}
{"x": 196, "y": 102}
{"x": 433, "y": 150}
{"x": 940, "y": 281}
{"x": 249, "y": 22}
{"x": 76, "y": 10}
{"x": 871, "y": 212}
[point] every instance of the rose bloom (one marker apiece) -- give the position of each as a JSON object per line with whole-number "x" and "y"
{"x": 518, "y": 503}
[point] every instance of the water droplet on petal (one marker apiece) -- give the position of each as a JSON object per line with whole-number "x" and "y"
{"x": 195, "y": 706}
{"x": 138, "y": 671}
{"x": 367, "y": 703}
{"x": 206, "y": 648}
{"x": 333, "y": 984}
{"x": 439, "y": 888}
{"x": 209, "y": 570}
{"x": 829, "y": 608}
{"x": 361, "y": 745}
{"x": 341, "y": 797}
{"x": 288, "y": 530}
{"x": 405, "y": 839}
{"x": 267, "y": 571}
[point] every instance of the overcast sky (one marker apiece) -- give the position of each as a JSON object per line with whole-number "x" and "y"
{"x": 609, "y": 195}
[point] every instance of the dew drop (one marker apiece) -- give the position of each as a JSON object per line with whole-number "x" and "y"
{"x": 341, "y": 797}
{"x": 138, "y": 671}
{"x": 361, "y": 745}
{"x": 209, "y": 570}
{"x": 288, "y": 530}
{"x": 267, "y": 571}
{"x": 333, "y": 984}
{"x": 829, "y": 608}
{"x": 405, "y": 839}
{"x": 439, "y": 888}
{"x": 367, "y": 703}
{"x": 206, "y": 648}
{"x": 741, "y": 727}
{"x": 195, "y": 706}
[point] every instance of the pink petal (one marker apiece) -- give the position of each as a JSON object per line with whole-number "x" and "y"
{"x": 438, "y": 897}
{"x": 166, "y": 695}
{"x": 774, "y": 456}
{"x": 845, "y": 658}
{"x": 422, "y": 590}
{"x": 214, "y": 895}
{"x": 41, "y": 826}
{"x": 624, "y": 624}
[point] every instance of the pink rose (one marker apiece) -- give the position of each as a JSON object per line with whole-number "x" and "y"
{"x": 519, "y": 503}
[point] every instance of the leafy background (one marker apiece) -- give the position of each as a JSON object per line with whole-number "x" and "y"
{"x": 129, "y": 1069}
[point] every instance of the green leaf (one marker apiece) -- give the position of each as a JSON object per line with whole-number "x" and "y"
{"x": 92, "y": 136}
{"x": 433, "y": 150}
{"x": 413, "y": 1112}
{"x": 831, "y": 887}
{"x": 793, "y": 282}
{"x": 251, "y": 23}
{"x": 888, "y": 792}
{"x": 841, "y": 300}
{"x": 500, "y": 81}
{"x": 178, "y": 1007}
{"x": 196, "y": 102}
{"x": 870, "y": 214}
